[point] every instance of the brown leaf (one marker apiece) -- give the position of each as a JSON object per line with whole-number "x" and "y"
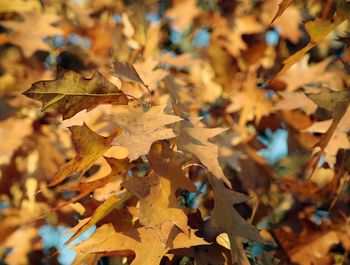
{"x": 179, "y": 21}
{"x": 295, "y": 100}
{"x": 335, "y": 102}
{"x": 102, "y": 211}
{"x": 70, "y": 93}
{"x": 149, "y": 249}
{"x": 281, "y": 8}
{"x": 19, "y": 6}
{"x": 226, "y": 219}
{"x": 168, "y": 164}
{"x": 158, "y": 203}
{"x": 119, "y": 168}
{"x": 194, "y": 140}
{"x": 20, "y": 244}
{"x": 90, "y": 146}
{"x": 126, "y": 72}
{"x": 141, "y": 128}
{"x": 302, "y": 73}
{"x": 318, "y": 29}
{"x": 251, "y": 101}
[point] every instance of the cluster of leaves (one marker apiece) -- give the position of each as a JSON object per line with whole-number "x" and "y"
{"x": 174, "y": 132}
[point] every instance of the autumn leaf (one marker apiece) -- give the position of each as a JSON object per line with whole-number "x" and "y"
{"x": 281, "y": 7}
{"x": 141, "y": 128}
{"x": 251, "y": 101}
{"x": 70, "y": 93}
{"x": 85, "y": 187}
{"x": 126, "y": 72}
{"x": 295, "y": 100}
{"x": 20, "y": 245}
{"x": 169, "y": 164}
{"x": 226, "y": 219}
{"x": 338, "y": 140}
{"x": 303, "y": 73}
{"x": 102, "y": 211}
{"x": 317, "y": 29}
{"x": 32, "y": 40}
{"x": 149, "y": 249}
{"x": 19, "y": 6}
{"x": 159, "y": 204}
{"x": 194, "y": 140}
{"x": 178, "y": 20}
{"x": 156, "y": 192}
{"x": 151, "y": 76}
{"x": 14, "y": 130}
{"x": 337, "y": 103}
{"x": 167, "y": 106}
{"x": 90, "y": 146}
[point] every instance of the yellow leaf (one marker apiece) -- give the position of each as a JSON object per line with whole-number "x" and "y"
{"x": 149, "y": 249}
{"x": 90, "y": 146}
{"x": 102, "y": 211}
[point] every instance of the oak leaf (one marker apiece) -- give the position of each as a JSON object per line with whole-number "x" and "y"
{"x": 159, "y": 205}
{"x": 151, "y": 76}
{"x": 126, "y": 72}
{"x": 141, "y": 128}
{"x": 251, "y": 102}
{"x": 70, "y": 93}
{"x": 338, "y": 139}
{"x": 287, "y": 24}
{"x": 102, "y": 211}
{"x": 337, "y": 103}
{"x": 20, "y": 245}
{"x": 179, "y": 21}
{"x": 14, "y": 131}
{"x": 302, "y": 73}
{"x": 30, "y": 33}
{"x": 90, "y": 146}
{"x": 281, "y": 8}
{"x": 317, "y": 29}
{"x": 158, "y": 202}
{"x": 226, "y": 219}
{"x": 194, "y": 140}
{"x": 85, "y": 187}
{"x": 169, "y": 164}
{"x": 295, "y": 100}
{"x": 149, "y": 249}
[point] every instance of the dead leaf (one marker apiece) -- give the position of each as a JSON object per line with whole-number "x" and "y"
{"x": 141, "y": 128}
{"x": 194, "y": 140}
{"x": 102, "y": 211}
{"x": 226, "y": 219}
{"x": 90, "y": 146}
{"x": 32, "y": 40}
{"x": 149, "y": 249}
{"x": 70, "y": 93}
{"x": 296, "y": 100}
{"x": 178, "y": 20}
{"x": 318, "y": 29}
{"x": 281, "y": 8}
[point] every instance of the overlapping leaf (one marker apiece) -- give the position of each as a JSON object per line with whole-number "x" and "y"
{"x": 141, "y": 128}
